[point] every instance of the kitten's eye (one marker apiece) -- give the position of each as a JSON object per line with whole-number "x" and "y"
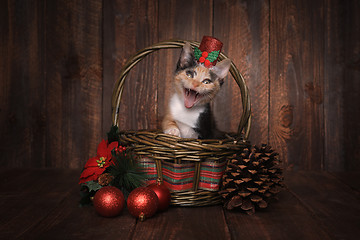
{"x": 190, "y": 74}
{"x": 206, "y": 81}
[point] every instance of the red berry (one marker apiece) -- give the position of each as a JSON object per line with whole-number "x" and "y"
{"x": 201, "y": 59}
{"x": 207, "y": 63}
{"x": 205, "y": 54}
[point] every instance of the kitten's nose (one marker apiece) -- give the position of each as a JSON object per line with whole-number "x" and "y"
{"x": 195, "y": 84}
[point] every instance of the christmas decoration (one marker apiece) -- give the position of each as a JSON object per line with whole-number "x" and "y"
{"x": 208, "y": 51}
{"x": 109, "y": 201}
{"x": 163, "y": 194}
{"x": 142, "y": 203}
{"x": 91, "y": 186}
{"x": 126, "y": 172}
{"x": 252, "y": 178}
{"x": 96, "y": 166}
{"x": 114, "y": 165}
{"x": 105, "y": 179}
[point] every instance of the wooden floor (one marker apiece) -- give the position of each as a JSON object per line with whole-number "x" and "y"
{"x": 43, "y": 204}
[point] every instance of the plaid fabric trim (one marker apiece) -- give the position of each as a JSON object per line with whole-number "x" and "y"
{"x": 148, "y": 166}
{"x": 178, "y": 177}
{"x": 210, "y": 175}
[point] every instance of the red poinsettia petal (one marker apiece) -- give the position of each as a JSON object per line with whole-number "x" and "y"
{"x": 108, "y": 163}
{"x": 87, "y": 176}
{"x": 110, "y": 148}
{"x": 88, "y": 172}
{"x": 82, "y": 180}
{"x": 112, "y": 145}
{"x": 91, "y": 173}
{"x": 102, "y": 148}
{"x": 87, "y": 179}
{"x": 92, "y": 162}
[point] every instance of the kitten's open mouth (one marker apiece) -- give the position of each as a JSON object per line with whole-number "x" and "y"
{"x": 190, "y": 97}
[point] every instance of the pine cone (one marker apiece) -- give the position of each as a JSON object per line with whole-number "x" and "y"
{"x": 105, "y": 179}
{"x": 252, "y": 178}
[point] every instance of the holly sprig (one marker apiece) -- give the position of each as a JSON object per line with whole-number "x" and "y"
{"x": 211, "y": 56}
{"x": 197, "y": 53}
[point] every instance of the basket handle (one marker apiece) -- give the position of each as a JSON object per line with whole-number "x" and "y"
{"x": 245, "y": 120}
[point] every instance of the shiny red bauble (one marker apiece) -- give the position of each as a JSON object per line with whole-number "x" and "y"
{"x": 142, "y": 203}
{"x": 109, "y": 201}
{"x": 163, "y": 194}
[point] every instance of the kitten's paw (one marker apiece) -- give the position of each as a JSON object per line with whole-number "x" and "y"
{"x": 173, "y": 131}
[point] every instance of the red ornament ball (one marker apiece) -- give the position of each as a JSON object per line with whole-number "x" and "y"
{"x": 109, "y": 201}
{"x": 142, "y": 203}
{"x": 201, "y": 59}
{"x": 163, "y": 194}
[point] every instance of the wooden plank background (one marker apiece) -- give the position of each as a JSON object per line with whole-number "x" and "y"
{"x": 60, "y": 59}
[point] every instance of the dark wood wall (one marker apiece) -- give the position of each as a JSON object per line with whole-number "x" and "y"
{"x": 59, "y": 61}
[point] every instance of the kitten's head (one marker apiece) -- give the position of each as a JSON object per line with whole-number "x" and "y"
{"x": 196, "y": 84}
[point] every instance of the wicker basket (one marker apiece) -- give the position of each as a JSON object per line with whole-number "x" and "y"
{"x": 162, "y": 148}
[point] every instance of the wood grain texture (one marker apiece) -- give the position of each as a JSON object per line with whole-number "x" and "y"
{"x": 131, "y": 26}
{"x": 296, "y": 68}
{"x": 332, "y": 203}
{"x": 188, "y": 224}
{"x": 22, "y": 87}
{"x": 342, "y": 71}
{"x": 243, "y": 26}
{"x": 26, "y": 198}
{"x": 68, "y": 221}
{"x": 42, "y": 204}
{"x": 270, "y": 224}
{"x": 350, "y": 178}
{"x": 351, "y": 22}
{"x": 73, "y": 81}
{"x": 333, "y": 100}
{"x": 60, "y": 59}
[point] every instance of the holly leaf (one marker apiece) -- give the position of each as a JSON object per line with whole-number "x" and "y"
{"x": 92, "y": 186}
{"x": 86, "y": 194}
{"x": 213, "y": 55}
{"x": 197, "y": 53}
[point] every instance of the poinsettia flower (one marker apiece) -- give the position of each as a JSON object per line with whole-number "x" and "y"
{"x": 95, "y": 166}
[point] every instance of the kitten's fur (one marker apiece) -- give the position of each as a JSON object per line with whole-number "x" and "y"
{"x": 189, "y": 114}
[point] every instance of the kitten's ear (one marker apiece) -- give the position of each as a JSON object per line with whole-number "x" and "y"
{"x": 222, "y": 68}
{"x": 187, "y": 58}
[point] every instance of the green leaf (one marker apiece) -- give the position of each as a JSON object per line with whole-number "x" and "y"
{"x": 88, "y": 191}
{"x": 92, "y": 186}
{"x": 213, "y": 55}
{"x": 197, "y": 53}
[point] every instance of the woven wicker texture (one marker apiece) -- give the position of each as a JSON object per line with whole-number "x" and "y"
{"x": 162, "y": 147}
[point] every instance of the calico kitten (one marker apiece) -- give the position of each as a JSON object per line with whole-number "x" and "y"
{"x": 189, "y": 114}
